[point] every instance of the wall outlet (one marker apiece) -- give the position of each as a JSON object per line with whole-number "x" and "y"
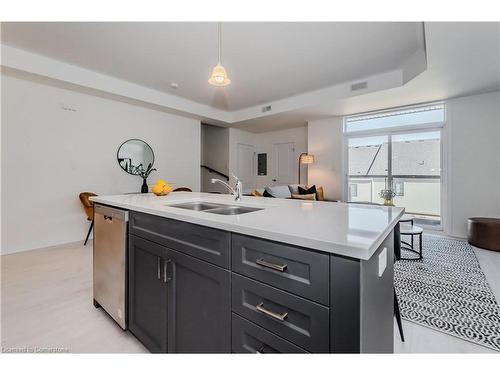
{"x": 67, "y": 107}
{"x": 382, "y": 261}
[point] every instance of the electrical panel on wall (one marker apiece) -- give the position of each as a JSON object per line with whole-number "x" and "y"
{"x": 262, "y": 164}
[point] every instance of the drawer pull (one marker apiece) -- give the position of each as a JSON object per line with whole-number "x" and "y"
{"x": 277, "y": 267}
{"x": 165, "y": 278}
{"x": 260, "y": 307}
{"x": 261, "y": 350}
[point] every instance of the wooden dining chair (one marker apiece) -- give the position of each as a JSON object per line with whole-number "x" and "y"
{"x": 88, "y": 206}
{"x": 183, "y": 189}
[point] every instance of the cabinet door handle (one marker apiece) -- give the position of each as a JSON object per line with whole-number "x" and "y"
{"x": 165, "y": 278}
{"x": 277, "y": 267}
{"x": 260, "y": 307}
{"x": 159, "y": 267}
{"x": 261, "y": 350}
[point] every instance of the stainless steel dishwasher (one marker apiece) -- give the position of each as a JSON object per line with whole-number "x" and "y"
{"x": 110, "y": 261}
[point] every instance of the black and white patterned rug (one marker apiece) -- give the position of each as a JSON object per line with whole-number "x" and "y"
{"x": 447, "y": 291}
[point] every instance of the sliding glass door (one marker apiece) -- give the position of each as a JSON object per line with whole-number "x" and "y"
{"x": 406, "y": 159}
{"x": 416, "y": 174}
{"x": 368, "y": 168}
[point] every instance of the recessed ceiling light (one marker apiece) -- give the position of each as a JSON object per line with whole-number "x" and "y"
{"x": 174, "y": 85}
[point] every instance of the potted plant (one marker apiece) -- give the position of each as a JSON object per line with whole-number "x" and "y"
{"x": 387, "y": 195}
{"x": 144, "y": 173}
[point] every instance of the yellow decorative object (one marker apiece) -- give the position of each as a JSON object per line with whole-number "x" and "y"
{"x": 388, "y": 202}
{"x": 162, "y": 188}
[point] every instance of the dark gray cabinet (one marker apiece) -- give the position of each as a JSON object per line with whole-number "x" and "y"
{"x": 147, "y": 297}
{"x": 177, "y": 303}
{"x": 302, "y": 322}
{"x": 194, "y": 289}
{"x": 199, "y": 312}
{"x": 209, "y": 244}
{"x": 300, "y": 271}
{"x": 248, "y": 337}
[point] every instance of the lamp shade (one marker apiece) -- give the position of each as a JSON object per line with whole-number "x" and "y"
{"x": 219, "y": 76}
{"x": 306, "y": 159}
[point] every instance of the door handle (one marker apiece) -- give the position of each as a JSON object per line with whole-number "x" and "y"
{"x": 277, "y": 267}
{"x": 261, "y": 350}
{"x": 260, "y": 307}
{"x": 159, "y": 267}
{"x": 165, "y": 278}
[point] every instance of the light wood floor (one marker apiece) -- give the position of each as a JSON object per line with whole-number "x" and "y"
{"x": 47, "y": 303}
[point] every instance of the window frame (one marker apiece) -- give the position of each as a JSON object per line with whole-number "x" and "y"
{"x": 355, "y": 186}
{"x": 406, "y": 129}
{"x": 402, "y": 190}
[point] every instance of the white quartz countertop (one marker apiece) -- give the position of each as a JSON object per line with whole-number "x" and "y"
{"x": 352, "y": 230}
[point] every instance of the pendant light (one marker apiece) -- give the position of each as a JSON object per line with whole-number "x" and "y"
{"x": 219, "y": 75}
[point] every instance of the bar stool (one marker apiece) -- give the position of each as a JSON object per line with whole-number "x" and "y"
{"x": 397, "y": 257}
{"x": 89, "y": 210}
{"x": 408, "y": 228}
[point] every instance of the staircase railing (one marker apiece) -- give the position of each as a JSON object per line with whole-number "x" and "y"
{"x": 215, "y": 171}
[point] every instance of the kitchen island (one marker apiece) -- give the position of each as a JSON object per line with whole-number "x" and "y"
{"x": 207, "y": 274}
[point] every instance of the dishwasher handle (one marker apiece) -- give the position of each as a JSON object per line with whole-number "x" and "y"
{"x": 110, "y": 213}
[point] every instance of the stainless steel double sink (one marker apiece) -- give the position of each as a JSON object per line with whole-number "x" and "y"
{"x": 216, "y": 208}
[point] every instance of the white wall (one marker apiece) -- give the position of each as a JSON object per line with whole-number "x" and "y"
{"x": 472, "y": 141}
{"x": 50, "y": 155}
{"x": 473, "y": 128}
{"x": 214, "y": 154}
{"x": 325, "y": 143}
{"x": 263, "y": 143}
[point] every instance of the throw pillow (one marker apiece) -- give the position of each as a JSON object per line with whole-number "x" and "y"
{"x": 305, "y": 197}
{"x": 320, "y": 194}
{"x": 267, "y": 195}
{"x": 311, "y": 190}
{"x": 256, "y": 193}
{"x": 294, "y": 189}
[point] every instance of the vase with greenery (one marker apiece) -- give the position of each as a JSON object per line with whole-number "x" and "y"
{"x": 144, "y": 173}
{"x": 387, "y": 195}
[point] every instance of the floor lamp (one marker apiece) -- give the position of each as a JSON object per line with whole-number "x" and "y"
{"x": 305, "y": 158}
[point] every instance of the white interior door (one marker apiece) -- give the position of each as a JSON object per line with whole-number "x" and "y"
{"x": 283, "y": 163}
{"x": 245, "y": 165}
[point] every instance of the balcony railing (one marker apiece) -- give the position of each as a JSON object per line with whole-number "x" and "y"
{"x": 420, "y": 195}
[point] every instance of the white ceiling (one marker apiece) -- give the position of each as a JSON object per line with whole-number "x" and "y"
{"x": 304, "y": 70}
{"x": 266, "y": 61}
{"x": 463, "y": 59}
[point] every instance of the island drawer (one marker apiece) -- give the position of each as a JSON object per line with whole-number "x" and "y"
{"x": 294, "y": 269}
{"x": 248, "y": 337}
{"x": 302, "y": 322}
{"x": 211, "y": 245}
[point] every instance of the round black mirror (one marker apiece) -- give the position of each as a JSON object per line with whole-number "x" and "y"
{"x": 135, "y": 157}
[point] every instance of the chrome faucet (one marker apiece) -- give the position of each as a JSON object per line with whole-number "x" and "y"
{"x": 237, "y": 189}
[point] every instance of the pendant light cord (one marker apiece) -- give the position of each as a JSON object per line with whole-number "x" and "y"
{"x": 219, "y": 39}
